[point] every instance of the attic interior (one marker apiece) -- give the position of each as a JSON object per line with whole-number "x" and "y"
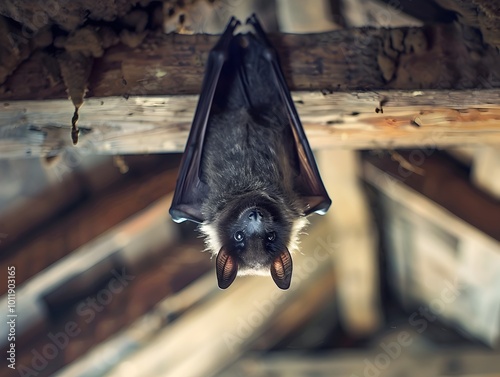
{"x": 400, "y": 101}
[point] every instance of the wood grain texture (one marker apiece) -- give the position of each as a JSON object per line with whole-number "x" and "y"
{"x": 346, "y": 120}
{"x": 431, "y": 57}
{"x": 49, "y": 243}
{"x": 445, "y": 183}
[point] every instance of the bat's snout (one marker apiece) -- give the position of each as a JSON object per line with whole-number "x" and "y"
{"x": 255, "y": 224}
{"x": 255, "y": 215}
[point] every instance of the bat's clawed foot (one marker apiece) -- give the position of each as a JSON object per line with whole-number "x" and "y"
{"x": 231, "y": 26}
{"x": 254, "y": 21}
{"x": 259, "y": 31}
{"x": 233, "y": 23}
{"x": 227, "y": 36}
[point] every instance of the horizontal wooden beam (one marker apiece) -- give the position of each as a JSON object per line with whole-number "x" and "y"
{"x": 359, "y": 362}
{"x": 369, "y": 120}
{"x": 444, "y": 183}
{"x": 431, "y": 57}
{"x": 135, "y": 191}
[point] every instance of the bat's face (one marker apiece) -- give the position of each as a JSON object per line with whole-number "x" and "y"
{"x": 254, "y": 235}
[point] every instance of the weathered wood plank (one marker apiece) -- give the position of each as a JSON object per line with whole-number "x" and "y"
{"x": 431, "y": 57}
{"x": 83, "y": 223}
{"x": 347, "y": 120}
{"x": 444, "y": 183}
{"x": 352, "y": 228}
{"x": 355, "y": 362}
{"x": 142, "y": 249}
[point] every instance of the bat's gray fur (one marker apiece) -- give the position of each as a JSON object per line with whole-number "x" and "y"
{"x": 247, "y": 164}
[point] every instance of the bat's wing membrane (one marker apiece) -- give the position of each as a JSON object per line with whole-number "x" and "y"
{"x": 309, "y": 182}
{"x": 190, "y": 190}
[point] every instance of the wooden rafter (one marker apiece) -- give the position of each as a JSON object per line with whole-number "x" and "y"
{"x": 138, "y": 104}
{"x": 433, "y": 57}
{"x": 384, "y": 119}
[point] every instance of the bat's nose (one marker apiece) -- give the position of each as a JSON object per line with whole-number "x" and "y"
{"x": 255, "y": 224}
{"x": 255, "y": 215}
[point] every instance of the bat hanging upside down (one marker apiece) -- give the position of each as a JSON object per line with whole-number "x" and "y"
{"x": 248, "y": 175}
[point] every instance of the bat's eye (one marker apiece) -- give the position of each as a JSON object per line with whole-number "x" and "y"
{"x": 271, "y": 236}
{"x": 238, "y": 236}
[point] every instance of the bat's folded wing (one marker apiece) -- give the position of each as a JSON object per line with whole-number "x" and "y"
{"x": 309, "y": 184}
{"x": 190, "y": 190}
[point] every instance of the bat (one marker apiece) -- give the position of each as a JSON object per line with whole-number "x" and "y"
{"x": 248, "y": 175}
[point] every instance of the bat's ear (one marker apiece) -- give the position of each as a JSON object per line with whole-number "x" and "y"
{"x": 226, "y": 268}
{"x": 281, "y": 269}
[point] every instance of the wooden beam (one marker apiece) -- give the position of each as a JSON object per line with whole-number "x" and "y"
{"x": 142, "y": 249}
{"x": 384, "y": 119}
{"x": 431, "y": 57}
{"x": 68, "y": 180}
{"x": 439, "y": 362}
{"x": 444, "y": 183}
{"x": 83, "y": 223}
{"x": 352, "y": 228}
{"x": 482, "y": 15}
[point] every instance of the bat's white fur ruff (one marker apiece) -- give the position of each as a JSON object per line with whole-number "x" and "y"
{"x": 213, "y": 243}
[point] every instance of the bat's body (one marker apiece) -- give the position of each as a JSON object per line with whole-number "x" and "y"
{"x": 248, "y": 175}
